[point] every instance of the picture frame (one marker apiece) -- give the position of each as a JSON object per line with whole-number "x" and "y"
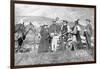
{"x": 14, "y": 12}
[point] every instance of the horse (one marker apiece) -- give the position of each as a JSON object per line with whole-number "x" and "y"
{"x": 22, "y": 32}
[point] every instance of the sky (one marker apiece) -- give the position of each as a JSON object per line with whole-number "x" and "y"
{"x": 67, "y": 13}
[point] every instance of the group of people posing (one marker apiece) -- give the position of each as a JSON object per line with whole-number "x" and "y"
{"x": 65, "y": 37}
{"x": 56, "y": 37}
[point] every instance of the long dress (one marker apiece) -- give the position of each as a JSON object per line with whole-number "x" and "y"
{"x": 44, "y": 41}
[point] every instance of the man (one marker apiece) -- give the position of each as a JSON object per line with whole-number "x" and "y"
{"x": 64, "y": 34}
{"x": 76, "y": 31}
{"x": 88, "y": 33}
{"x": 65, "y": 30}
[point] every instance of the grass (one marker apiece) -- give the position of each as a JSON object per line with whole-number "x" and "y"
{"x": 32, "y": 57}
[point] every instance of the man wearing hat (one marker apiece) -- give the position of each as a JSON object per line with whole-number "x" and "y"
{"x": 64, "y": 33}
{"x": 64, "y": 29}
{"x": 88, "y": 33}
{"x": 76, "y": 31}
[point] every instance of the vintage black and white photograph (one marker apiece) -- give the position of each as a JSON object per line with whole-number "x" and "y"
{"x": 46, "y": 34}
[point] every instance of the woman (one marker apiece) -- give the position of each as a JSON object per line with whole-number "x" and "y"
{"x": 44, "y": 42}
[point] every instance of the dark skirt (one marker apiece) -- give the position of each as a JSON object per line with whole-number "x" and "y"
{"x": 44, "y": 45}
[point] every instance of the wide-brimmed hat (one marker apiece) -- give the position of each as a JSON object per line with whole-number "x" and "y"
{"x": 88, "y": 20}
{"x": 77, "y": 21}
{"x": 65, "y": 21}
